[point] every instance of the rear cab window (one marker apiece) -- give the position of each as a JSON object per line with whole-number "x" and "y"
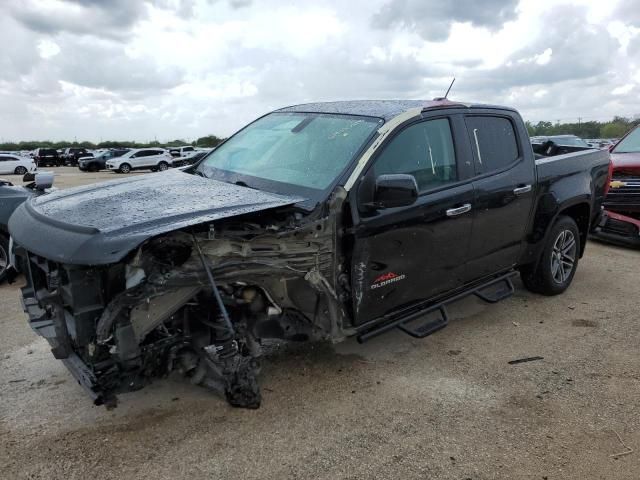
{"x": 493, "y": 142}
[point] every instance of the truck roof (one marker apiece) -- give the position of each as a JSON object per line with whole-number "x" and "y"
{"x": 385, "y": 109}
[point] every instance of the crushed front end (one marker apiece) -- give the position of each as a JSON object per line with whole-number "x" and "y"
{"x": 192, "y": 287}
{"x": 196, "y": 301}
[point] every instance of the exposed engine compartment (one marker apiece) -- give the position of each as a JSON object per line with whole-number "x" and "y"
{"x": 198, "y": 301}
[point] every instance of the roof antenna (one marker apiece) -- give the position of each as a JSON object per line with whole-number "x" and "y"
{"x": 449, "y": 89}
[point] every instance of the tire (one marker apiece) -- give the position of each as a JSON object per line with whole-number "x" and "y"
{"x": 4, "y": 257}
{"x": 162, "y": 166}
{"x": 92, "y": 167}
{"x": 20, "y": 170}
{"x": 125, "y": 168}
{"x": 559, "y": 262}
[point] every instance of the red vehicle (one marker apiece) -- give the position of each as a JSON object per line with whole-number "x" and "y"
{"x": 621, "y": 222}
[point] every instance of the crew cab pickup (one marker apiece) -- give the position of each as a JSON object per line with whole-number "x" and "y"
{"x": 315, "y": 222}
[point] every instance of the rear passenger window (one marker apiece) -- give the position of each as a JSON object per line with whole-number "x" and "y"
{"x": 424, "y": 150}
{"x": 493, "y": 142}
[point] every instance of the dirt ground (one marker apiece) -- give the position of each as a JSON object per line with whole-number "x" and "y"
{"x": 446, "y": 407}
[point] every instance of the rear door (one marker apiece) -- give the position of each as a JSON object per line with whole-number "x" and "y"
{"x": 405, "y": 255}
{"x": 156, "y": 156}
{"x": 504, "y": 191}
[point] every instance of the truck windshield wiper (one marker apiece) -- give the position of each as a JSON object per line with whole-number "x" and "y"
{"x": 240, "y": 183}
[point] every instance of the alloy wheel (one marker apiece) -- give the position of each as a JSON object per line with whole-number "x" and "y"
{"x": 563, "y": 256}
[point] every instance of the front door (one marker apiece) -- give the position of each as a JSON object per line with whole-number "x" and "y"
{"x": 409, "y": 254}
{"x": 504, "y": 191}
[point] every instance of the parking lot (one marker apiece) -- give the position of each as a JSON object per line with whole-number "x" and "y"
{"x": 66, "y": 177}
{"x": 446, "y": 407}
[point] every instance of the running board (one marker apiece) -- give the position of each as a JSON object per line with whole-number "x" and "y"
{"x": 492, "y": 291}
{"x": 426, "y": 328}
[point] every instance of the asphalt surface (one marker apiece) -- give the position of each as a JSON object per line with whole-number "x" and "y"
{"x": 446, "y": 407}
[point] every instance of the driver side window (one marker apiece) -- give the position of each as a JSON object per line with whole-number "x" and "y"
{"x": 424, "y": 150}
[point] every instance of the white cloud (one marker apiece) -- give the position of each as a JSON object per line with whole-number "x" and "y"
{"x": 48, "y": 48}
{"x": 623, "y": 89}
{"x": 186, "y": 68}
{"x": 544, "y": 57}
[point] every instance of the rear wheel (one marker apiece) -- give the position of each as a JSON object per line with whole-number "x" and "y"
{"x": 162, "y": 166}
{"x": 20, "y": 170}
{"x": 4, "y": 256}
{"x": 92, "y": 167}
{"x": 125, "y": 168}
{"x": 557, "y": 267}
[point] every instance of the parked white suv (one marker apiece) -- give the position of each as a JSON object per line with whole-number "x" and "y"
{"x": 15, "y": 164}
{"x": 153, "y": 159}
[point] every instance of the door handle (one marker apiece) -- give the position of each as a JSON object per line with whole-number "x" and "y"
{"x": 454, "y": 212}
{"x": 522, "y": 190}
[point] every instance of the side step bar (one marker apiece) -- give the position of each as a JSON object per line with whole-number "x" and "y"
{"x": 492, "y": 291}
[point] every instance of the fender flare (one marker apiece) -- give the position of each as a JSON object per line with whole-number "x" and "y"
{"x": 544, "y": 218}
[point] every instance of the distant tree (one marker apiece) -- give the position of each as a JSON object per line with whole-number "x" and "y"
{"x": 209, "y": 141}
{"x": 614, "y": 129}
{"x": 530, "y": 128}
{"x": 177, "y": 143}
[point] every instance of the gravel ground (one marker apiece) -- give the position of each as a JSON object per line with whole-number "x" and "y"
{"x": 446, "y": 407}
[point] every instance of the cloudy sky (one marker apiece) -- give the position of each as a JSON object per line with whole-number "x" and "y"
{"x": 165, "y": 69}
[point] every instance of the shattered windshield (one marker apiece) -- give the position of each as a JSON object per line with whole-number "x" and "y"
{"x": 306, "y": 150}
{"x": 629, "y": 144}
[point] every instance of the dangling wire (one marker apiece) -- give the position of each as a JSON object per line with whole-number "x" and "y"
{"x": 216, "y": 293}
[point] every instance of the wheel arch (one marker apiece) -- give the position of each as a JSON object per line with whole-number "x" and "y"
{"x": 581, "y": 214}
{"x": 547, "y": 213}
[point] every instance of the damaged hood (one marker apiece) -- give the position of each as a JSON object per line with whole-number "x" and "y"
{"x": 99, "y": 224}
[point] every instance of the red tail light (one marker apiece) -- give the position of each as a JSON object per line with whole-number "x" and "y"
{"x": 607, "y": 184}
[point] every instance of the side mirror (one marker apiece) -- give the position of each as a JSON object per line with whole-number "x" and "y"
{"x": 29, "y": 177}
{"x": 44, "y": 180}
{"x": 395, "y": 190}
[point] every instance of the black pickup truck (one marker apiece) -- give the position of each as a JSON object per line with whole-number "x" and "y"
{"x": 315, "y": 222}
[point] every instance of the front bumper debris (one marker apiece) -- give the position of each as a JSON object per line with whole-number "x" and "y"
{"x": 618, "y": 229}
